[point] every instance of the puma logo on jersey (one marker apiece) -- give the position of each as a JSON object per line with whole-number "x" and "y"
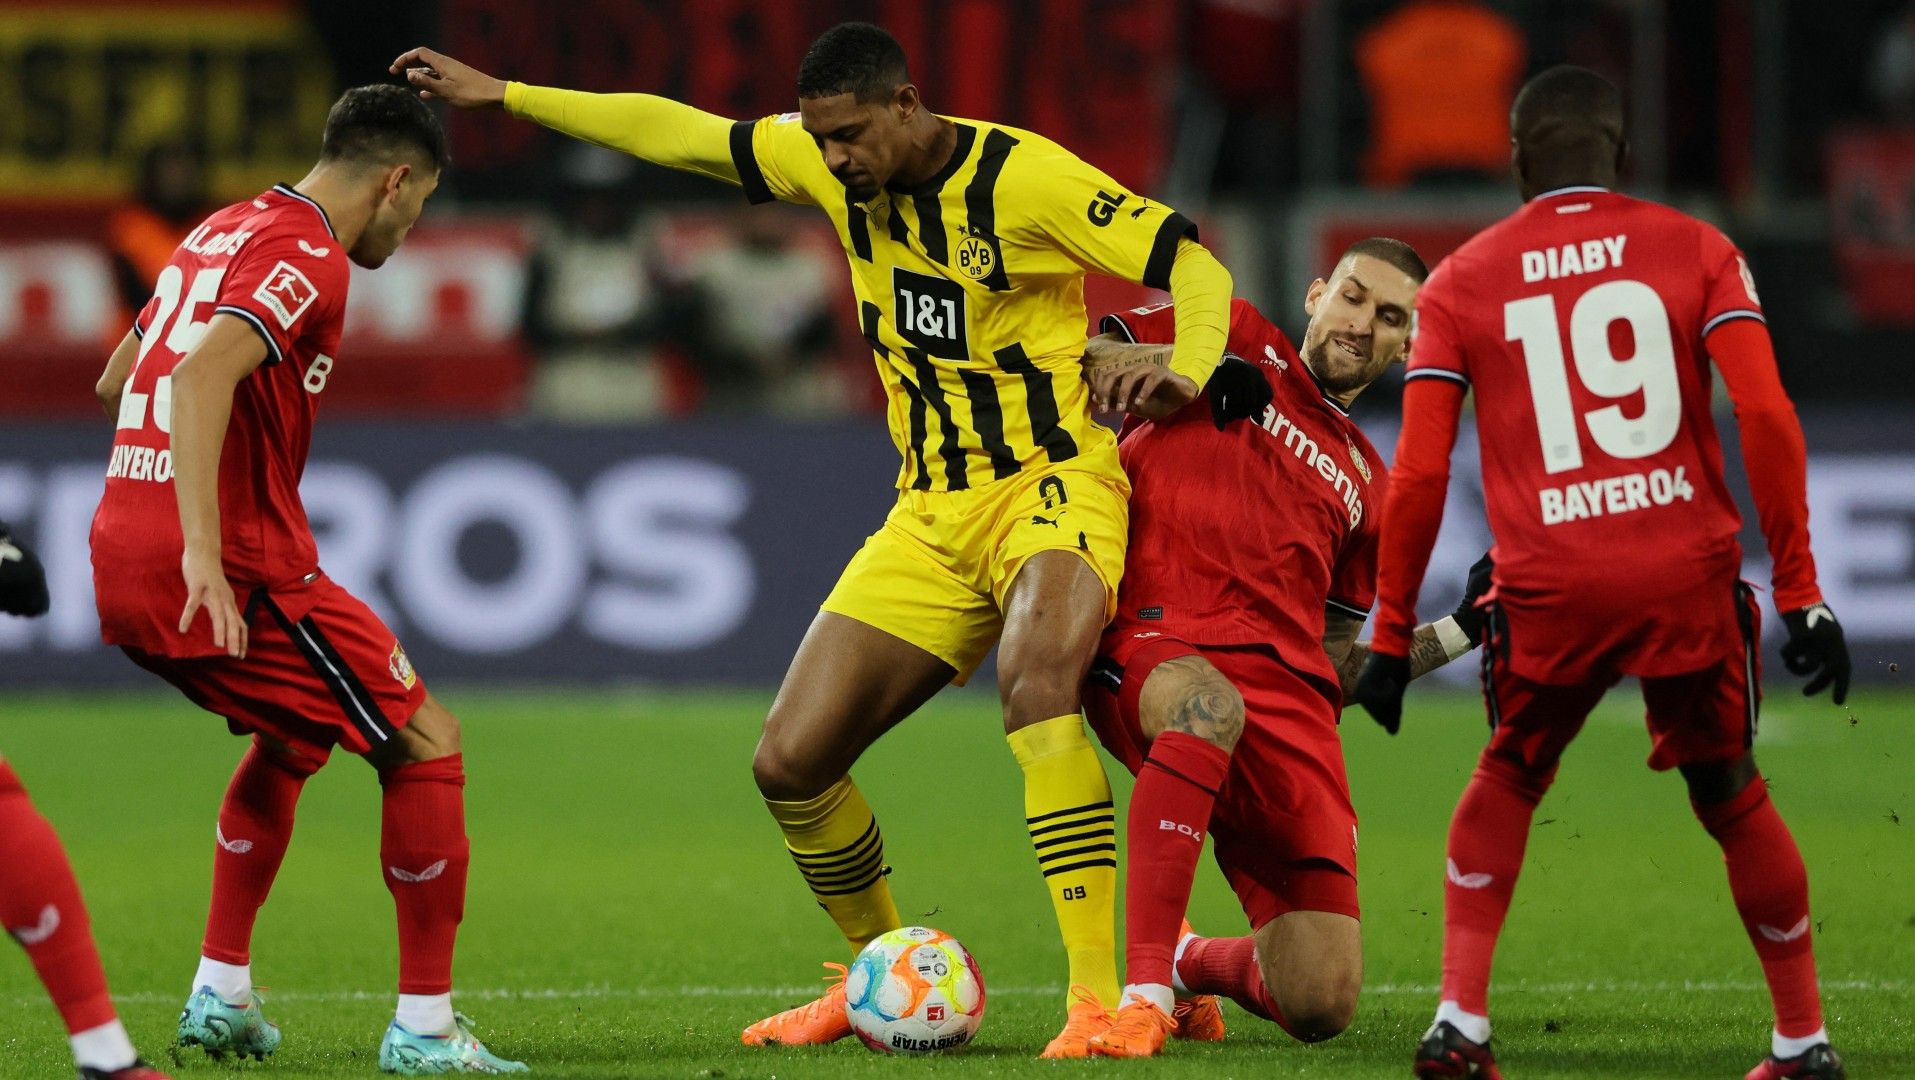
{"x": 1790, "y": 934}
{"x": 237, "y": 847}
{"x": 1037, "y": 519}
{"x": 49, "y": 922}
{"x": 1467, "y": 881}
{"x": 427, "y": 874}
{"x": 317, "y": 253}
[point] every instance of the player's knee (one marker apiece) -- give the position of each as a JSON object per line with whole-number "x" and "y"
{"x": 1317, "y": 1006}
{"x": 1033, "y": 693}
{"x": 1713, "y": 782}
{"x": 1212, "y": 710}
{"x": 431, "y": 733}
{"x": 784, "y": 775}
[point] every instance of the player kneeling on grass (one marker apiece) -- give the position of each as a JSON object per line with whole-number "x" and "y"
{"x": 214, "y": 390}
{"x": 39, "y": 900}
{"x": 1252, "y": 565}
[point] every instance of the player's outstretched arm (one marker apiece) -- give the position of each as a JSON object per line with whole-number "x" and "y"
{"x": 203, "y": 386}
{"x": 660, "y": 130}
{"x": 1431, "y": 645}
{"x": 119, "y": 368}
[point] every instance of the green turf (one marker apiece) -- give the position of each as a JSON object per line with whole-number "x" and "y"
{"x": 631, "y": 908}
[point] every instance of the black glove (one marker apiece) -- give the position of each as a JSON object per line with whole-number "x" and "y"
{"x": 1816, "y": 648}
{"x": 23, "y": 583}
{"x": 1238, "y": 391}
{"x": 1469, "y": 617}
{"x": 1380, "y": 687}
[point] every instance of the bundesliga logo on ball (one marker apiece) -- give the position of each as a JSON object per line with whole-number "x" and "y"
{"x": 914, "y": 991}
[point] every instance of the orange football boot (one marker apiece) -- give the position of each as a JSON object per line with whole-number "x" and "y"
{"x": 1086, "y": 1020}
{"x": 1200, "y": 1018}
{"x": 811, "y": 1024}
{"x": 1141, "y": 1030}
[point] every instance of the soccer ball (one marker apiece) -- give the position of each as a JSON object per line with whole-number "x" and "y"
{"x": 914, "y": 991}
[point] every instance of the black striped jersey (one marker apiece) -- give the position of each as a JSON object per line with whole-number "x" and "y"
{"x": 970, "y": 288}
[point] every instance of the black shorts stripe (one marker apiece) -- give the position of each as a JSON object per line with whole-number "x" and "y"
{"x": 1087, "y": 808}
{"x": 864, "y": 840}
{"x": 937, "y": 246}
{"x": 955, "y": 477}
{"x": 1108, "y": 672}
{"x": 1075, "y": 838}
{"x": 1492, "y": 643}
{"x": 920, "y": 475}
{"x": 868, "y": 316}
{"x": 1052, "y": 871}
{"x": 750, "y": 176}
{"x": 980, "y": 204}
{"x": 1040, "y": 401}
{"x": 988, "y": 417}
{"x": 858, "y": 224}
{"x": 1163, "y": 250}
{"x": 1745, "y": 616}
{"x": 355, "y": 703}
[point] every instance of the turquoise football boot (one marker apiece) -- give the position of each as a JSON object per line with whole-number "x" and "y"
{"x": 220, "y": 1027}
{"x": 409, "y": 1053}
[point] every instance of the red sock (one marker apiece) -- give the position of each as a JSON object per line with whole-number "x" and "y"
{"x": 40, "y": 906}
{"x": 424, "y": 849}
{"x": 1169, "y": 813}
{"x": 1228, "y": 966}
{"x": 1771, "y": 891}
{"x": 1487, "y": 838}
{"x": 255, "y": 825}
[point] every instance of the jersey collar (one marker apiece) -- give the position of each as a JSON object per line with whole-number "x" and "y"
{"x": 288, "y": 191}
{"x": 1318, "y": 383}
{"x": 960, "y": 151}
{"x": 1577, "y": 189}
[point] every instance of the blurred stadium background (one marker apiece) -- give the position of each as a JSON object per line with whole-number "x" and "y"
{"x": 599, "y": 421}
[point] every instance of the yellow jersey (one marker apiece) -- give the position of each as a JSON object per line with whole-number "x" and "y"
{"x": 970, "y": 286}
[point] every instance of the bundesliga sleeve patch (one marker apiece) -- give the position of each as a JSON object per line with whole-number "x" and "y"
{"x": 287, "y": 293}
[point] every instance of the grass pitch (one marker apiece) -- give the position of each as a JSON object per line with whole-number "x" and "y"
{"x": 631, "y": 907}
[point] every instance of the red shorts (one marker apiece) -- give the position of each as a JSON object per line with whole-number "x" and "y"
{"x": 1695, "y": 717}
{"x": 1284, "y": 828}
{"x": 334, "y": 677}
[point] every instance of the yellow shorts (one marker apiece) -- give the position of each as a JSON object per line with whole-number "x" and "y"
{"x": 936, "y": 574}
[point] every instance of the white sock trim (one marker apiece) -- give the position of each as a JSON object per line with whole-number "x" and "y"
{"x": 1176, "y": 980}
{"x": 1470, "y": 1025}
{"x": 105, "y": 1048}
{"x": 1156, "y": 993}
{"x": 1784, "y": 1047}
{"x": 425, "y": 1014}
{"x": 232, "y": 982}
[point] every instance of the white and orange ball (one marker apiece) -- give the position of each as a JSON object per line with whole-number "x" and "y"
{"x": 914, "y": 991}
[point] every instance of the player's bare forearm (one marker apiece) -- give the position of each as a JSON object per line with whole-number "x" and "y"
{"x": 1106, "y": 351}
{"x": 119, "y": 368}
{"x": 1347, "y": 654}
{"x": 202, "y": 395}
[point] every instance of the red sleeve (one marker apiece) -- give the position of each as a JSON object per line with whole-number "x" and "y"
{"x": 1157, "y": 323}
{"x": 1436, "y": 350}
{"x": 1729, "y": 291}
{"x": 1773, "y": 455}
{"x": 282, "y": 285}
{"x": 1419, "y": 480}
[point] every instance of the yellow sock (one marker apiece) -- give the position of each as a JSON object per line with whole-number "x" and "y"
{"x": 1067, "y": 807}
{"x": 836, "y": 844}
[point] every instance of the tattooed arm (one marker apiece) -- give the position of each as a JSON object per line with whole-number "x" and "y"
{"x": 1427, "y": 652}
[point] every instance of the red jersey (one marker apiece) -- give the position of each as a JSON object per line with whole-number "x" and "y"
{"x": 274, "y": 263}
{"x": 1580, "y": 321}
{"x": 1247, "y": 535}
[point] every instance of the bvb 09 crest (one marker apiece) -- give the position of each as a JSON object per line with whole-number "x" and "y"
{"x": 976, "y": 258}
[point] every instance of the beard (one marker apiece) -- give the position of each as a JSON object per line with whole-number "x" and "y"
{"x": 1336, "y": 371}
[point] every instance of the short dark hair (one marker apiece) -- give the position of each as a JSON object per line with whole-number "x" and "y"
{"x": 1569, "y": 107}
{"x": 853, "y": 58}
{"x": 379, "y": 124}
{"x": 1392, "y": 251}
